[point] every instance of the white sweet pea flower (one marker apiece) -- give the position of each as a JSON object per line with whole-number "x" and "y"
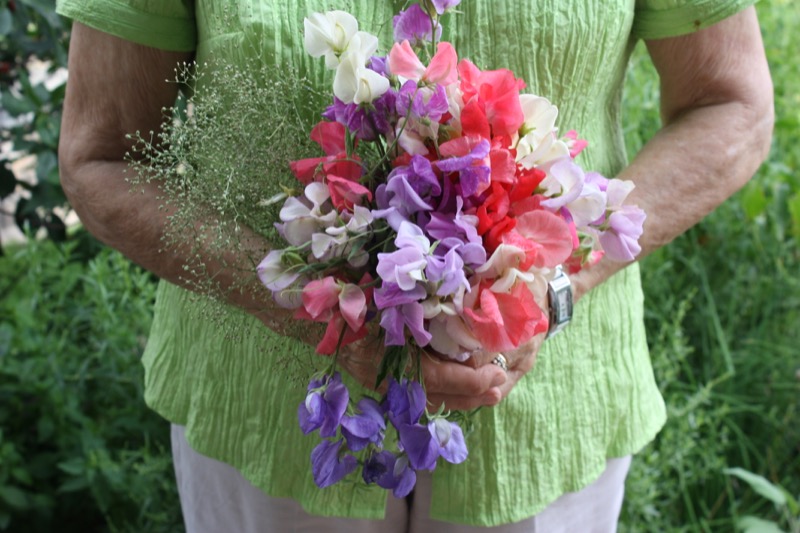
{"x": 540, "y": 115}
{"x": 563, "y": 184}
{"x": 329, "y": 34}
{"x": 354, "y": 82}
{"x": 303, "y": 217}
{"x": 589, "y": 206}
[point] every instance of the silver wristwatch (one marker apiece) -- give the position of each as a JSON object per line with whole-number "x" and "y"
{"x": 559, "y": 296}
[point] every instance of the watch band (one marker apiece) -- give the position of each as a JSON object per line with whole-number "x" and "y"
{"x": 559, "y": 296}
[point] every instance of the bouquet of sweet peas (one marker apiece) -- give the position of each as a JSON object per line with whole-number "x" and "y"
{"x": 445, "y": 199}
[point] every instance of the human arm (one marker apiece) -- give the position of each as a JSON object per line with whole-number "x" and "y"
{"x": 717, "y": 115}
{"x": 117, "y": 87}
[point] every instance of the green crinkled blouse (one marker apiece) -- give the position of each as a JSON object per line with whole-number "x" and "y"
{"x": 591, "y": 395}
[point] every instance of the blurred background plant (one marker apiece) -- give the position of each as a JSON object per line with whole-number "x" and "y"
{"x": 32, "y": 38}
{"x": 80, "y": 452}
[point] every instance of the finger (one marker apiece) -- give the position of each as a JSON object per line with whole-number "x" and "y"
{"x": 464, "y": 403}
{"x": 454, "y": 379}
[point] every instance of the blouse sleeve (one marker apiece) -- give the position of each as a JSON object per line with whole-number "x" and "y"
{"x": 164, "y": 24}
{"x": 658, "y": 19}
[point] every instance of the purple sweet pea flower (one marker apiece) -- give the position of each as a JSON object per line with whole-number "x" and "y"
{"x": 398, "y": 475}
{"x": 327, "y": 466}
{"x": 450, "y": 438}
{"x": 406, "y": 265}
{"x": 324, "y": 406}
{"x": 470, "y": 174}
{"x": 419, "y": 444}
{"x": 425, "y": 444}
{"x": 365, "y": 427}
{"x": 422, "y": 102}
{"x": 394, "y": 320}
{"x": 405, "y": 401}
{"x": 414, "y": 25}
{"x": 443, "y": 5}
{"x": 377, "y": 466}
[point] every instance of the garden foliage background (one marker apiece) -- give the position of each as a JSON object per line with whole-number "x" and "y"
{"x": 79, "y": 451}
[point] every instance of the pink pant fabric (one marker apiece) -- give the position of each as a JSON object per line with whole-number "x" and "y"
{"x": 216, "y": 498}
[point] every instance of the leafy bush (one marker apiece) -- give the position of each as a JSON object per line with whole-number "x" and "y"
{"x": 79, "y": 450}
{"x": 31, "y": 29}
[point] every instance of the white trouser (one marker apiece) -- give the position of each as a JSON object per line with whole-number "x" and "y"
{"x": 216, "y": 498}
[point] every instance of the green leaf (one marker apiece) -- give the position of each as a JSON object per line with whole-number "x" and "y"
{"x": 75, "y": 466}
{"x": 759, "y": 484}
{"x": 754, "y": 201}
{"x": 16, "y": 106}
{"x": 753, "y": 524}
{"x": 13, "y": 497}
{"x": 5, "y": 21}
{"x": 794, "y": 212}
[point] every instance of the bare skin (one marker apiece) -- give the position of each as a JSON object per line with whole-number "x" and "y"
{"x": 717, "y": 110}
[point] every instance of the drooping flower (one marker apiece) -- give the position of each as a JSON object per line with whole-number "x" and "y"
{"x": 324, "y": 406}
{"x": 365, "y": 427}
{"x": 328, "y": 466}
{"x": 621, "y": 240}
{"x": 392, "y": 473}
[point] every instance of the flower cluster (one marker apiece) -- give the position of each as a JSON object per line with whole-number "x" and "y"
{"x": 423, "y": 438}
{"x": 444, "y": 202}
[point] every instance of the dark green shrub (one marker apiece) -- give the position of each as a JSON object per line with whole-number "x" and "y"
{"x": 79, "y": 450}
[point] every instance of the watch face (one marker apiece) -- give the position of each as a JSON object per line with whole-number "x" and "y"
{"x": 564, "y": 305}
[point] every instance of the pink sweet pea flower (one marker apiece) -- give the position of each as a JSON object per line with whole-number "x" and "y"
{"x": 503, "y": 321}
{"x": 574, "y": 144}
{"x": 339, "y": 304}
{"x": 403, "y": 61}
{"x": 331, "y": 138}
{"x": 345, "y": 194}
{"x": 497, "y": 92}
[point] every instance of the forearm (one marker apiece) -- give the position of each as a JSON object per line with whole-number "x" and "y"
{"x": 717, "y": 108}
{"x": 688, "y": 169}
{"x": 136, "y": 221}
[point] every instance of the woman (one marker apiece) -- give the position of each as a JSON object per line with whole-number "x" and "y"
{"x": 552, "y": 455}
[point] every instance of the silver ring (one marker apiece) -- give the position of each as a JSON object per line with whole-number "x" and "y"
{"x": 500, "y": 360}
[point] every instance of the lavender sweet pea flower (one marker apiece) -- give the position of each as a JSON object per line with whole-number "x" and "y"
{"x": 406, "y": 265}
{"x": 324, "y": 406}
{"x": 448, "y": 272}
{"x": 443, "y": 5}
{"x": 414, "y": 25}
{"x": 365, "y": 427}
{"x": 621, "y": 240}
{"x": 326, "y": 465}
{"x": 409, "y": 189}
{"x": 394, "y": 320}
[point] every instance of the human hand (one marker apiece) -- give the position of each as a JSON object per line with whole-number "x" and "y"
{"x": 458, "y": 386}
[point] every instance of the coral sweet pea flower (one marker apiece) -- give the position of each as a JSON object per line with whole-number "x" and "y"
{"x": 403, "y": 61}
